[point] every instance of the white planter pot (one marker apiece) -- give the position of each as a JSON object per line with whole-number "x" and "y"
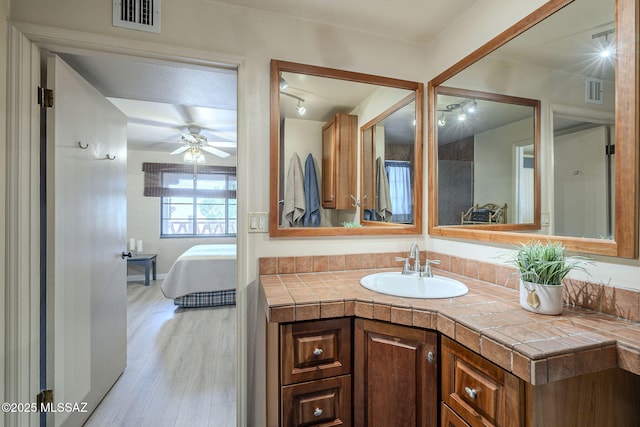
{"x": 542, "y": 299}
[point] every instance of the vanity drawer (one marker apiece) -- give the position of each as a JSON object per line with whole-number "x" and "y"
{"x": 317, "y": 403}
{"x": 450, "y": 418}
{"x": 315, "y": 350}
{"x": 482, "y": 393}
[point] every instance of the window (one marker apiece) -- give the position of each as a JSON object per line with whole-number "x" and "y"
{"x": 399, "y": 175}
{"x": 190, "y": 207}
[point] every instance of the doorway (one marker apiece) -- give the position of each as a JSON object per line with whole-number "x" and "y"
{"x": 22, "y": 380}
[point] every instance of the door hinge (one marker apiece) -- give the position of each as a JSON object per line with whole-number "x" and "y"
{"x": 45, "y": 97}
{"x": 44, "y": 397}
{"x": 610, "y": 150}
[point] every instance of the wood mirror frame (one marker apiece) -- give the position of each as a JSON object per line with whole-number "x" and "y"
{"x": 370, "y": 228}
{"x": 625, "y": 242}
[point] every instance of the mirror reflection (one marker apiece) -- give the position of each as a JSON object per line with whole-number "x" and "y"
{"x": 568, "y": 62}
{"x": 327, "y": 182}
{"x": 486, "y": 158}
{"x": 387, "y": 165}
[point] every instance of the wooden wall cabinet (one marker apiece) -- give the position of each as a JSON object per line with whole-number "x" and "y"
{"x": 395, "y": 375}
{"x": 339, "y": 157}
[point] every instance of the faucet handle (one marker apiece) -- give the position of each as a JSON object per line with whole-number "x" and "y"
{"x": 406, "y": 266}
{"x": 432, "y": 261}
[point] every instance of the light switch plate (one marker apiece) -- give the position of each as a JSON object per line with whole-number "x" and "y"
{"x": 545, "y": 219}
{"x": 258, "y": 222}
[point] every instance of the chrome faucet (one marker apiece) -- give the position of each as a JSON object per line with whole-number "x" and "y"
{"x": 417, "y": 270}
{"x": 414, "y": 253}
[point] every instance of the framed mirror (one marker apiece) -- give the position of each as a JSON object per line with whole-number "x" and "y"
{"x": 323, "y": 181}
{"x": 588, "y": 196}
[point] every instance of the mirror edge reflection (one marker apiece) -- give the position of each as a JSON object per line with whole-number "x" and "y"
{"x": 625, "y": 244}
{"x": 278, "y": 66}
{"x": 486, "y": 96}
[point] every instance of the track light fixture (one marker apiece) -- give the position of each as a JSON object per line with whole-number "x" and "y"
{"x": 608, "y": 48}
{"x": 460, "y": 111}
{"x": 299, "y": 108}
{"x": 283, "y": 83}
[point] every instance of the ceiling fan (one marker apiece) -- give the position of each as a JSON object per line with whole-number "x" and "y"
{"x": 193, "y": 144}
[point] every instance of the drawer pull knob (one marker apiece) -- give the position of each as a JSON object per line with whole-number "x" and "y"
{"x": 317, "y": 412}
{"x": 317, "y": 352}
{"x": 471, "y": 392}
{"x": 430, "y": 357}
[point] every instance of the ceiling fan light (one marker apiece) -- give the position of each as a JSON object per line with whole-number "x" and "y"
{"x": 188, "y": 156}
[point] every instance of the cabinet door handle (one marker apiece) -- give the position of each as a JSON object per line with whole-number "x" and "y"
{"x": 317, "y": 352}
{"x": 317, "y": 412}
{"x": 471, "y": 392}
{"x": 430, "y": 357}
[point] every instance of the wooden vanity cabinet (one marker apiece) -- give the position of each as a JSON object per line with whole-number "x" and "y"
{"x": 312, "y": 361}
{"x": 395, "y": 375}
{"x": 476, "y": 392}
{"x": 339, "y": 156}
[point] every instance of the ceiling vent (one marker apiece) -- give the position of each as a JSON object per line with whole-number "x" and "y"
{"x": 593, "y": 90}
{"x": 143, "y": 15}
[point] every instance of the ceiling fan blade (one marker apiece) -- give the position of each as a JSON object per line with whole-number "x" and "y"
{"x": 215, "y": 151}
{"x": 180, "y": 150}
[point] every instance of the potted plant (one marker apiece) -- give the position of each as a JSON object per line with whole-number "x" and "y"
{"x": 542, "y": 268}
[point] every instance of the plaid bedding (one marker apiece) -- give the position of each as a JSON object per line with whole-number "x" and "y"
{"x": 207, "y": 299}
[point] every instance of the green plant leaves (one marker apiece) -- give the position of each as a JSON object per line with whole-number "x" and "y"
{"x": 546, "y": 264}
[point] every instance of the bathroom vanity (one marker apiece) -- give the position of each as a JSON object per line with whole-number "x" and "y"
{"x": 340, "y": 355}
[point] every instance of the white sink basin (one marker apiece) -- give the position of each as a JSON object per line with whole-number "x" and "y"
{"x": 397, "y": 284}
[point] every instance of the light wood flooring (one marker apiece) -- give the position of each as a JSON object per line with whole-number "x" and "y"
{"x": 181, "y": 365}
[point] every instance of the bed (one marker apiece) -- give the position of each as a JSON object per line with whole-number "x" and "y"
{"x": 203, "y": 276}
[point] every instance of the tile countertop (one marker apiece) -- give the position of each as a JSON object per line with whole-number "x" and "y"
{"x": 488, "y": 320}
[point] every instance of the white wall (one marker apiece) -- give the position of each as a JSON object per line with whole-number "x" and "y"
{"x": 580, "y": 179}
{"x": 494, "y": 172}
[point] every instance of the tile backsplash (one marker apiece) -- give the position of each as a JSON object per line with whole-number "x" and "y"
{"x": 620, "y": 302}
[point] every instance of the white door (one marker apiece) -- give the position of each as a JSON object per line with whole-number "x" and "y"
{"x": 86, "y": 221}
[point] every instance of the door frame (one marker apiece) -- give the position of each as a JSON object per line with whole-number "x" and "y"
{"x": 22, "y": 304}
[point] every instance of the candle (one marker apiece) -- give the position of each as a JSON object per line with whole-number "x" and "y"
{"x": 139, "y": 245}
{"x": 132, "y": 244}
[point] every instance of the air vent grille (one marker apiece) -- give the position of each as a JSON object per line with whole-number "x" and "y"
{"x": 143, "y": 15}
{"x": 593, "y": 90}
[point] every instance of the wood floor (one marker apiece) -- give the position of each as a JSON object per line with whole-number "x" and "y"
{"x": 181, "y": 365}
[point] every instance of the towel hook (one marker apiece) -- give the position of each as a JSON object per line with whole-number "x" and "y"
{"x": 83, "y": 146}
{"x": 110, "y": 157}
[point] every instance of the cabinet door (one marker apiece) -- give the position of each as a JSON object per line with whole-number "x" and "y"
{"x": 339, "y": 161}
{"x": 329, "y": 149}
{"x": 395, "y": 375}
